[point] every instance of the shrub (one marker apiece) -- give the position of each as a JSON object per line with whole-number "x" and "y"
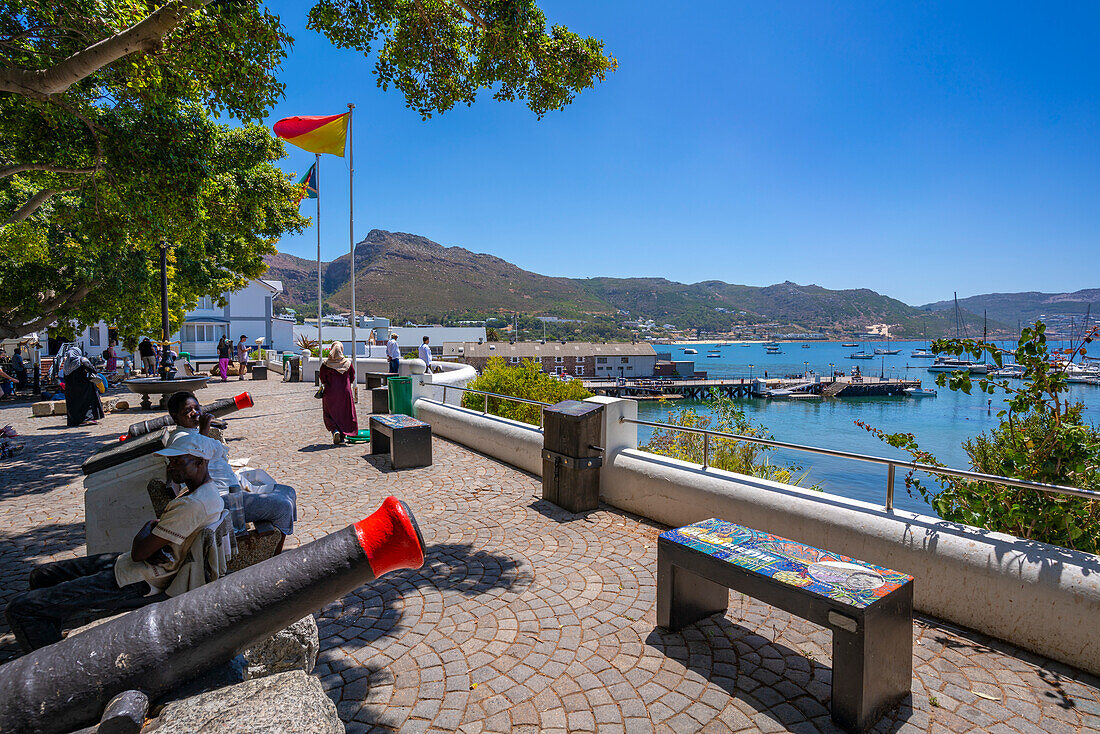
{"x": 1042, "y": 437}
{"x": 741, "y": 457}
{"x": 523, "y": 381}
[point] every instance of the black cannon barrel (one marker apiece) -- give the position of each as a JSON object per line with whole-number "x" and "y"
{"x": 218, "y": 408}
{"x": 64, "y": 686}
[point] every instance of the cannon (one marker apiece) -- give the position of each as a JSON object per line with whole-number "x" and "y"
{"x": 65, "y": 686}
{"x": 218, "y": 408}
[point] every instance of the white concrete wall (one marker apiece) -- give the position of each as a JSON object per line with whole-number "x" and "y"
{"x": 310, "y": 365}
{"x": 1037, "y": 596}
{"x": 513, "y": 442}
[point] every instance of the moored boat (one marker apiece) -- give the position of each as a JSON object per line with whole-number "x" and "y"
{"x": 922, "y": 354}
{"x": 861, "y": 355}
{"x": 920, "y": 392}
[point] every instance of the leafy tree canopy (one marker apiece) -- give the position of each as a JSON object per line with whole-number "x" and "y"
{"x": 170, "y": 175}
{"x": 526, "y": 381}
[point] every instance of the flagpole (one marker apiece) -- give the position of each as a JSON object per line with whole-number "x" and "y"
{"x": 317, "y": 188}
{"x": 351, "y": 235}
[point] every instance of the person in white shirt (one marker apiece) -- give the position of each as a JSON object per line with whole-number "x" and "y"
{"x": 426, "y": 355}
{"x": 393, "y": 354}
{"x": 118, "y": 582}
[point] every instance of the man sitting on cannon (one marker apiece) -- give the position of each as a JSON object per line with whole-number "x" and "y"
{"x": 117, "y": 582}
{"x": 277, "y": 505}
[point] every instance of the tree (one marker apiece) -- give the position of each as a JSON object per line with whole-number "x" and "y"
{"x": 492, "y": 335}
{"x": 211, "y": 192}
{"x": 1042, "y": 437}
{"x": 526, "y": 381}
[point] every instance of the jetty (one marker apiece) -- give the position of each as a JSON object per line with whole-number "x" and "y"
{"x": 825, "y": 386}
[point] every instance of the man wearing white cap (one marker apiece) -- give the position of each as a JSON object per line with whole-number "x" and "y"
{"x": 118, "y": 582}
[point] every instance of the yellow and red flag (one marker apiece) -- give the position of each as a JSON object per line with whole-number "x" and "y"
{"x": 315, "y": 133}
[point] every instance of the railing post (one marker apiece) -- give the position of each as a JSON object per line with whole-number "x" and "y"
{"x": 444, "y": 394}
{"x": 486, "y": 410}
{"x": 542, "y": 417}
{"x": 889, "y": 487}
{"x": 706, "y": 450}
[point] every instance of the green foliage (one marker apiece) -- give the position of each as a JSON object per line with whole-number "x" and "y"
{"x": 170, "y": 175}
{"x": 443, "y": 53}
{"x": 526, "y": 381}
{"x": 492, "y": 335}
{"x": 1042, "y": 437}
{"x": 740, "y": 457}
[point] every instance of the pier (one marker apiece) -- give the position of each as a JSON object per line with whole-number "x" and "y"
{"x": 672, "y": 388}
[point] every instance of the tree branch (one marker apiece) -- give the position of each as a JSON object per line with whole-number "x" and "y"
{"x": 145, "y": 35}
{"x": 14, "y": 327}
{"x": 473, "y": 16}
{"x": 35, "y": 202}
{"x": 6, "y": 171}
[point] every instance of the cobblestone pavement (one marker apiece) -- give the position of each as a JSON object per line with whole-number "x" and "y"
{"x": 527, "y": 618}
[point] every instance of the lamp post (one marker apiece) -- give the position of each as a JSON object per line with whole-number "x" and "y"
{"x": 805, "y": 369}
{"x": 166, "y": 362}
{"x": 832, "y": 370}
{"x": 750, "y": 371}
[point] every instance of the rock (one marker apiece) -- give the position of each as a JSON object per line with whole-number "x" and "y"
{"x": 42, "y": 409}
{"x": 121, "y": 404}
{"x": 294, "y": 648}
{"x": 287, "y": 703}
{"x": 58, "y": 407}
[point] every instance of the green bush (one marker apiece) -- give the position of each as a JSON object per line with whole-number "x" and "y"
{"x": 1042, "y": 437}
{"x": 741, "y": 457}
{"x": 523, "y": 381}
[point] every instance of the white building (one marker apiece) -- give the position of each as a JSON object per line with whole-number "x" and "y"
{"x": 247, "y": 311}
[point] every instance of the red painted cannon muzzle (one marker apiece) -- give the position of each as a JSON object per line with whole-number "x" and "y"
{"x": 391, "y": 538}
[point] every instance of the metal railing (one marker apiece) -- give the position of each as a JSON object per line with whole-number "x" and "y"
{"x": 891, "y": 464}
{"x": 485, "y": 406}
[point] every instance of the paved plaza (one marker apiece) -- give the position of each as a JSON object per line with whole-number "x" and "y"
{"x": 525, "y": 617}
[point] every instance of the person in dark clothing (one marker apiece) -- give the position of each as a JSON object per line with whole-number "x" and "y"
{"x": 19, "y": 367}
{"x": 82, "y": 404}
{"x": 148, "y": 356}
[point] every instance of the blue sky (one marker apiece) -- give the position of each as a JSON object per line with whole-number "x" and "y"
{"x": 912, "y": 148}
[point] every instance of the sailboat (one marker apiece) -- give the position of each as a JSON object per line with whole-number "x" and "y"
{"x": 951, "y": 364}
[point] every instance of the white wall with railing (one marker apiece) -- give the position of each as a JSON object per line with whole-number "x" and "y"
{"x": 1037, "y": 596}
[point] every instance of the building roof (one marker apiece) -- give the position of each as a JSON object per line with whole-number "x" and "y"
{"x": 275, "y": 285}
{"x": 548, "y": 349}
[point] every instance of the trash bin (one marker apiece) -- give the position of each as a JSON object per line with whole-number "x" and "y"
{"x": 292, "y": 368}
{"x": 571, "y": 457}
{"x": 401, "y": 395}
{"x": 185, "y": 355}
{"x": 259, "y": 371}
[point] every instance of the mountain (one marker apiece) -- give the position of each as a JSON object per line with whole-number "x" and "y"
{"x": 1010, "y": 308}
{"x": 406, "y": 276}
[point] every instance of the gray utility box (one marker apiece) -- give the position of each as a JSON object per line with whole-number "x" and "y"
{"x": 571, "y": 457}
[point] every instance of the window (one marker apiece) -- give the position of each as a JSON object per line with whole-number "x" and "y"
{"x": 624, "y": 360}
{"x": 514, "y": 360}
{"x": 601, "y": 360}
{"x": 93, "y": 336}
{"x": 557, "y": 359}
{"x": 579, "y": 370}
{"x": 203, "y": 332}
{"x": 538, "y": 360}
{"x": 206, "y": 303}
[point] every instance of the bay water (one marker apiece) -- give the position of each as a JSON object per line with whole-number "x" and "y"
{"x": 940, "y": 424}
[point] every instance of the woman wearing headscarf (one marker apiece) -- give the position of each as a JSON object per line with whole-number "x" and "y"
{"x": 337, "y": 402}
{"x": 81, "y": 396}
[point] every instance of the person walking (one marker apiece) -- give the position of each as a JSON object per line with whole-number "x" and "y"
{"x": 425, "y": 353}
{"x": 242, "y": 356}
{"x": 82, "y": 404}
{"x": 111, "y": 355}
{"x": 148, "y": 355}
{"x": 337, "y": 376}
{"x": 393, "y": 353}
{"x": 223, "y": 358}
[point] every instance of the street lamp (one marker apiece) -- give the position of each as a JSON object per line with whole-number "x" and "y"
{"x": 832, "y": 370}
{"x": 167, "y": 364}
{"x": 805, "y": 370}
{"x": 750, "y": 371}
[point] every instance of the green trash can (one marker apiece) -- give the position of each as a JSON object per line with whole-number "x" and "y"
{"x": 185, "y": 355}
{"x": 401, "y": 395}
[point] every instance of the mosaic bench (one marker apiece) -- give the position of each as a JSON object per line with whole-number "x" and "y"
{"x": 869, "y": 609}
{"x": 407, "y": 440}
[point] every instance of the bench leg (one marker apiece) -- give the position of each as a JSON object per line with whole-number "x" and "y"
{"x": 873, "y": 666}
{"x": 379, "y": 443}
{"x": 684, "y": 597}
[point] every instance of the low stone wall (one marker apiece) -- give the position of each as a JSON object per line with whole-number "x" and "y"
{"x": 1037, "y": 596}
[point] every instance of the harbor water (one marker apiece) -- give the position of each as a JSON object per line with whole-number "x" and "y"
{"x": 940, "y": 424}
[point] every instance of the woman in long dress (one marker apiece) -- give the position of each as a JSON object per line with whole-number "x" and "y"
{"x": 337, "y": 404}
{"x": 82, "y": 404}
{"x": 112, "y": 357}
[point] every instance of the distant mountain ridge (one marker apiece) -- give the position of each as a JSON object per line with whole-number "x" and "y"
{"x": 1026, "y": 307}
{"x": 412, "y": 277}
